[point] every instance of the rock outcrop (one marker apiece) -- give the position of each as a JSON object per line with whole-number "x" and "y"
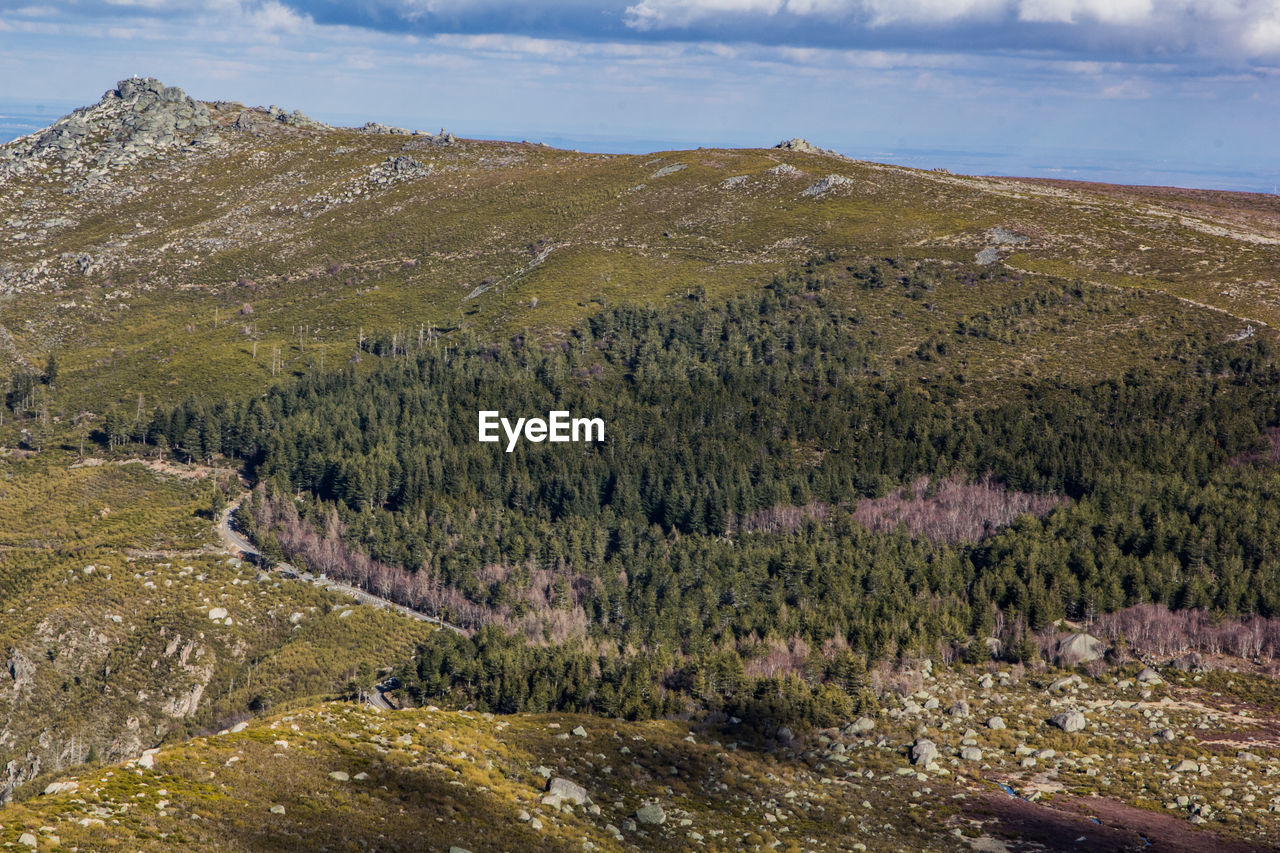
{"x": 137, "y": 119}
{"x": 798, "y": 144}
{"x": 1079, "y": 648}
{"x": 826, "y": 185}
{"x": 430, "y": 140}
{"x": 21, "y": 670}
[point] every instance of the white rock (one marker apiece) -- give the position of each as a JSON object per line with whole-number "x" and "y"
{"x": 61, "y": 788}
{"x": 1068, "y": 721}
{"x": 923, "y": 753}
{"x": 652, "y": 814}
{"x": 563, "y": 790}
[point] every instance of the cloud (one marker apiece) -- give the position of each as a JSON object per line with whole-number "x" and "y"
{"x": 276, "y": 18}
{"x": 1222, "y": 29}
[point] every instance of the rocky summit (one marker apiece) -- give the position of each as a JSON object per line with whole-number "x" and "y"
{"x": 137, "y": 118}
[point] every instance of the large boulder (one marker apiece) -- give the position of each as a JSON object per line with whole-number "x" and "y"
{"x": 1079, "y": 648}
{"x": 923, "y": 753}
{"x": 564, "y": 791}
{"x": 860, "y": 726}
{"x": 1149, "y": 676}
{"x": 1068, "y": 721}
{"x": 652, "y": 814}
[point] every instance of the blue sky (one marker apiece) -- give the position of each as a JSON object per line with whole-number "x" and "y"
{"x": 1137, "y": 91}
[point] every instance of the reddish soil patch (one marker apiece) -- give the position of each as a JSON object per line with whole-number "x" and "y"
{"x": 1096, "y": 825}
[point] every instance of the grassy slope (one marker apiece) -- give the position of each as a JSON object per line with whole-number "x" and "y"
{"x": 200, "y": 236}
{"x": 105, "y": 631}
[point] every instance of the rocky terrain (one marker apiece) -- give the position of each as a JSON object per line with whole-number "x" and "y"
{"x": 981, "y": 759}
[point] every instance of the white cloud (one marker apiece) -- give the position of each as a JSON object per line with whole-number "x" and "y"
{"x": 275, "y": 18}
{"x": 1073, "y": 11}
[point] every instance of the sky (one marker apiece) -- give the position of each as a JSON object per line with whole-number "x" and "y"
{"x": 1180, "y": 92}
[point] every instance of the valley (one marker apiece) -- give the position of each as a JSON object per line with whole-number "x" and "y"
{"x": 928, "y": 511}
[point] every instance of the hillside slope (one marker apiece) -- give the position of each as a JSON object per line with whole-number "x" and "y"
{"x": 211, "y": 247}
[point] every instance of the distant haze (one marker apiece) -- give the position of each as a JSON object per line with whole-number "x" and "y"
{"x": 1178, "y": 92}
{"x": 19, "y": 119}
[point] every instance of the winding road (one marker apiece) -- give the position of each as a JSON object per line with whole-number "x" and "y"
{"x": 238, "y": 545}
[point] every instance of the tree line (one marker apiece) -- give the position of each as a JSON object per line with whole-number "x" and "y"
{"x": 634, "y": 577}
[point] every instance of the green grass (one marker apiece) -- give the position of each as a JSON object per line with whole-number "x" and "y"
{"x": 46, "y": 503}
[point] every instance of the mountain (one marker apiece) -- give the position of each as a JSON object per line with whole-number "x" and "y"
{"x": 166, "y": 238}
{"x": 927, "y": 510}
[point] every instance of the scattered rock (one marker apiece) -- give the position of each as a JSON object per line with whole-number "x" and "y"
{"x": 340, "y": 776}
{"x": 971, "y": 753}
{"x": 987, "y": 256}
{"x": 580, "y": 732}
{"x": 996, "y": 723}
{"x": 277, "y": 809}
{"x": 295, "y": 119}
{"x": 960, "y": 709}
{"x": 1186, "y": 765}
{"x": 383, "y": 129}
{"x": 217, "y": 614}
{"x": 399, "y": 168}
{"x": 422, "y": 141}
{"x": 61, "y": 788}
{"x": 26, "y": 839}
{"x": 1149, "y": 676}
{"x": 1005, "y": 237}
